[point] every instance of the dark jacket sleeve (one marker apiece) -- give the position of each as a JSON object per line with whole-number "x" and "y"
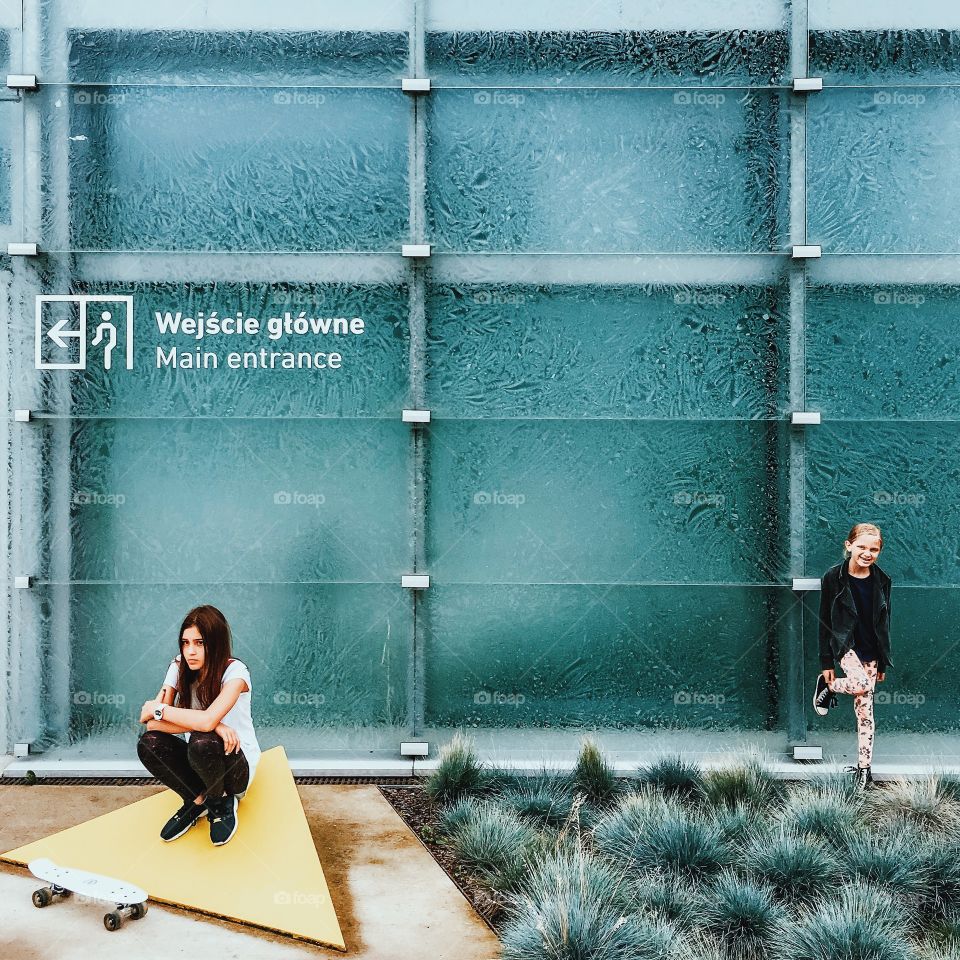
{"x": 826, "y": 654}
{"x": 882, "y": 668}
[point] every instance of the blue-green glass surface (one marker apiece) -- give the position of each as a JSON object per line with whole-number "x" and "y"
{"x": 883, "y": 352}
{"x": 236, "y": 500}
{"x": 611, "y": 656}
{"x": 605, "y": 500}
{"x": 229, "y": 168}
{"x": 607, "y": 171}
{"x": 876, "y": 159}
{"x": 575, "y": 350}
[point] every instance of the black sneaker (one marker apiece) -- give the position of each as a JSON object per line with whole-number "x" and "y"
{"x": 823, "y": 697}
{"x": 861, "y": 777}
{"x": 222, "y": 814}
{"x": 182, "y": 820}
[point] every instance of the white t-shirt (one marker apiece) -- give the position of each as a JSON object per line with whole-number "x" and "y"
{"x": 238, "y": 716}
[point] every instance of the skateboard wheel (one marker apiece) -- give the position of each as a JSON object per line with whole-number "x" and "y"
{"x": 112, "y": 920}
{"x": 137, "y": 911}
{"x": 42, "y": 897}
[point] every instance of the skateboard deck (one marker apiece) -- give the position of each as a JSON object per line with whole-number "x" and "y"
{"x": 128, "y": 899}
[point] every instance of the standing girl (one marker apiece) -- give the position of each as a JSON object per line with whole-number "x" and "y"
{"x": 214, "y": 768}
{"x": 855, "y": 630}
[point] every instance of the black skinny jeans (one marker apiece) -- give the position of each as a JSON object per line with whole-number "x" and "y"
{"x": 194, "y": 767}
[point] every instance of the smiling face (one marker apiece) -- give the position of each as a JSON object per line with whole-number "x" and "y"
{"x": 864, "y": 550}
{"x": 192, "y": 649}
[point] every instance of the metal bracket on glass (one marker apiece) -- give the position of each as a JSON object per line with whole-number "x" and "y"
{"x": 414, "y": 748}
{"x": 807, "y": 84}
{"x": 21, "y": 249}
{"x": 800, "y": 417}
{"x": 807, "y": 751}
{"x": 418, "y": 581}
{"x": 416, "y": 416}
{"x": 415, "y": 249}
{"x": 415, "y": 84}
{"x": 805, "y": 251}
{"x": 22, "y": 583}
{"x": 22, "y": 81}
{"x": 805, "y": 583}
{"x": 21, "y": 416}
{"x": 21, "y": 750}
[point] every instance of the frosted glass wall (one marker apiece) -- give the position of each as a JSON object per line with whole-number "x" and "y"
{"x": 611, "y": 335}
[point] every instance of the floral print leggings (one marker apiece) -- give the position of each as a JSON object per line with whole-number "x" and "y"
{"x": 860, "y": 680}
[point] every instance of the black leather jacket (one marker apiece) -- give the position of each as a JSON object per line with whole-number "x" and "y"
{"x": 838, "y": 616}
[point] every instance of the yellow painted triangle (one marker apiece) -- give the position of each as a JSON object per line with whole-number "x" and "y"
{"x": 268, "y": 874}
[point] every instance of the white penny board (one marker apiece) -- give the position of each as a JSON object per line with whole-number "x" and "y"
{"x": 92, "y": 884}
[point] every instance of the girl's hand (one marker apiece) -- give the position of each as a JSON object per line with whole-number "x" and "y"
{"x": 146, "y": 713}
{"x": 829, "y": 675}
{"x": 231, "y": 742}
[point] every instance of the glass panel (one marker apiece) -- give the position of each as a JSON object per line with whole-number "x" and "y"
{"x": 899, "y": 476}
{"x": 11, "y": 177}
{"x": 595, "y": 501}
{"x": 238, "y": 57}
{"x": 232, "y": 500}
{"x": 516, "y": 350}
{"x": 220, "y": 168}
{"x": 919, "y": 693}
{"x": 876, "y": 352}
{"x": 607, "y": 171}
{"x": 663, "y": 657}
{"x": 745, "y": 42}
{"x": 852, "y": 43}
{"x": 879, "y": 170}
{"x": 270, "y": 368}
{"x": 319, "y": 656}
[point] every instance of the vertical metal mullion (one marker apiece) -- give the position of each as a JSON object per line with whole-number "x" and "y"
{"x": 417, "y": 319}
{"x": 793, "y": 632}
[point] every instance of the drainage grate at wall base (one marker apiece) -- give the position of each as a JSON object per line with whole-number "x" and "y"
{"x": 151, "y": 782}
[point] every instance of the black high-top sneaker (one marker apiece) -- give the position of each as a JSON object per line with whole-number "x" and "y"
{"x": 222, "y": 814}
{"x": 823, "y": 697}
{"x": 183, "y": 820}
{"x": 861, "y": 776}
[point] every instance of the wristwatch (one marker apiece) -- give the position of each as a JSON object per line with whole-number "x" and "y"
{"x": 158, "y": 712}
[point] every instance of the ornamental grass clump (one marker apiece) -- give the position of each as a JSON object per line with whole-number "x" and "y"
{"x": 645, "y": 832}
{"x": 672, "y": 774}
{"x": 748, "y": 783}
{"x": 496, "y": 844}
{"x": 458, "y": 773}
{"x": 827, "y": 811}
{"x": 858, "y": 922}
{"x": 660, "y": 894}
{"x": 742, "y": 915}
{"x": 570, "y": 908}
{"x": 544, "y": 800}
{"x": 798, "y": 868}
{"x": 594, "y": 777}
{"x": 925, "y": 804}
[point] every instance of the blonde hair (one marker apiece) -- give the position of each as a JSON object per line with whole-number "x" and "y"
{"x": 859, "y": 528}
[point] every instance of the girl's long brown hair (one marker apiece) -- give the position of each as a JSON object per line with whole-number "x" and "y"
{"x": 217, "y": 644}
